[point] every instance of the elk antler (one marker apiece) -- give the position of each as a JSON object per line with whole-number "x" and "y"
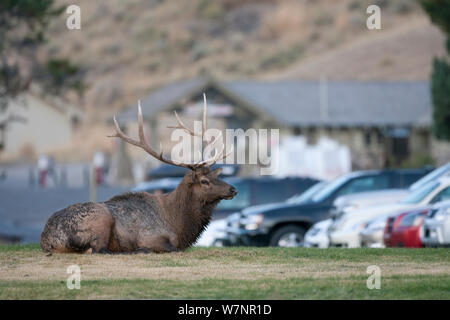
{"x": 217, "y": 155}
{"x": 143, "y": 144}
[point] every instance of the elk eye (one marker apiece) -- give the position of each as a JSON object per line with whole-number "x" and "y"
{"x": 205, "y": 182}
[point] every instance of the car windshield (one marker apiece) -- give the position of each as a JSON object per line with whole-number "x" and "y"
{"x": 330, "y": 188}
{"x": 420, "y": 194}
{"x": 433, "y": 175}
{"x": 308, "y": 194}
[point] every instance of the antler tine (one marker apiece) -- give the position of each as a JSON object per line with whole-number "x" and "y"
{"x": 201, "y": 157}
{"x": 212, "y": 142}
{"x": 213, "y": 159}
{"x": 225, "y": 155}
{"x": 140, "y": 123}
{"x": 142, "y": 143}
{"x": 120, "y": 134}
{"x": 161, "y": 149}
{"x": 181, "y": 125}
{"x": 204, "y": 116}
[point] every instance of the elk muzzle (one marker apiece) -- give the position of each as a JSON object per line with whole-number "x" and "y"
{"x": 231, "y": 193}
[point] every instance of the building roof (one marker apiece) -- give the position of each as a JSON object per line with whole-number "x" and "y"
{"x": 165, "y": 98}
{"x": 309, "y": 103}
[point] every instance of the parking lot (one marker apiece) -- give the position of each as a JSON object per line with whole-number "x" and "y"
{"x": 24, "y": 209}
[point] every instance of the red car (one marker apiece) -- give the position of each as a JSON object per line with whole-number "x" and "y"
{"x": 403, "y": 230}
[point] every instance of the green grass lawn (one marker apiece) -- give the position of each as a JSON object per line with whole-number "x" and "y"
{"x": 228, "y": 273}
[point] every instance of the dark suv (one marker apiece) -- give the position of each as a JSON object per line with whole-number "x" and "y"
{"x": 284, "y": 224}
{"x": 251, "y": 191}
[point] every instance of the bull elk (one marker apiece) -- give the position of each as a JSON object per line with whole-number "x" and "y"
{"x": 142, "y": 222}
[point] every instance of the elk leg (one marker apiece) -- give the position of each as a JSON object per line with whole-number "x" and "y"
{"x": 100, "y": 228}
{"x": 157, "y": 244}
{"x": 140, "y": 250}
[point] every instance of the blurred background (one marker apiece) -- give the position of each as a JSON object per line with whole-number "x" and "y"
{"x": 344, "y": 97}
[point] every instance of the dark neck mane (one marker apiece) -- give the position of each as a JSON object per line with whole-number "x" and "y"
{"x": 186, "y": 213}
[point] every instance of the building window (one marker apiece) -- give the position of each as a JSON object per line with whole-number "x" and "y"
{"x": 311, "y": 136}
{"x": 367, "y": 138}
{"x": 400, "y": 148}
{"x": 398, "y": 144}
{"x": 297, "y": 131}
{"x": 380, "y": 137}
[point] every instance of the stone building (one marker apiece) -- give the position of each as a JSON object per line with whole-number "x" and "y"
{"x": 383, "y": 123}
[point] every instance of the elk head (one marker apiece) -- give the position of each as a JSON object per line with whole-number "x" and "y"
{"x": 208, "y": 188}
{"x": 203, "y": 182}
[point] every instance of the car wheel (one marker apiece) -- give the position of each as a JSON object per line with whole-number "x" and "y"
{"x": 288, "y": 236}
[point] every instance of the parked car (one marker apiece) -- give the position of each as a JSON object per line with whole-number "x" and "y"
{"x": 358, "y": 201}
{"x": 317, "y": 235}
{"x": 285, "y": 224}
{"x": 344, "y": 232}
{"x": 371, "y": 234}
{"x": 169, "y": 171}
{"x": 437, "y": 173}
{"x": 436, "y": 226}
{"x": 408, "y": 180}
{"x": 213, "y": 234}
{"x": 216, "y": 235}
{"x": 158, "y": 186}
{"x": 166, "y": 178}
{"x": 403, "y": 230}
{"x": 251, "y": 191}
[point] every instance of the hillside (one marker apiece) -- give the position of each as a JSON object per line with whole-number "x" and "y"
{"x": 404, "y": 53}
{"x": 128, "y": 48}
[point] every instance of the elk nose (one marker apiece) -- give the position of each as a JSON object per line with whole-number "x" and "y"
{"x": 233, "y": 190}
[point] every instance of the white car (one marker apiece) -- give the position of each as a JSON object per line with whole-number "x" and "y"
{"x": 214, "y": 231}
{"x": 344, "y": 232}
{"x": 436, "y": 227}
{"x": 352, "y": 202}
{"x": 317, "y": 235}
{"x": 372, "y": 234}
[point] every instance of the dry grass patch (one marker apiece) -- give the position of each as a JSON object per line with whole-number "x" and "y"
{"x": 224, "y": 263}
{"x": 233, "y": 273}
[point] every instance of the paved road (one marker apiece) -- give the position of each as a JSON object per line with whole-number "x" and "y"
{"x": 24, "y": 211}
{"x": 72, "y": 175}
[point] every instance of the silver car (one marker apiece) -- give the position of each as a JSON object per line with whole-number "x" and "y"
{"x": 353, "y": 202}
{"x": 436, "y": 227}
{"x": 372, "y": 234}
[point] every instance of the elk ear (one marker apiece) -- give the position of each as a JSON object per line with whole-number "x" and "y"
{"x": 216, "y": 173}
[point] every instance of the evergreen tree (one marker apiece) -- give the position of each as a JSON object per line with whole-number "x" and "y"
{"x": 23, "y": 28}
{"x": 439, "y": 12}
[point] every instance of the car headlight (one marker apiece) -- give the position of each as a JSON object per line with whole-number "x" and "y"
{"x": 376, "y": 225}
{"x": 358, "y": 226}
{"x": 338, "y": 225}
{"x": 313, "y": 231}
{"x": 418, "y": 220}
{"x": 349, "y": 208}
{"x": 252, "y": 222}
{"x": 441, "y": 214}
